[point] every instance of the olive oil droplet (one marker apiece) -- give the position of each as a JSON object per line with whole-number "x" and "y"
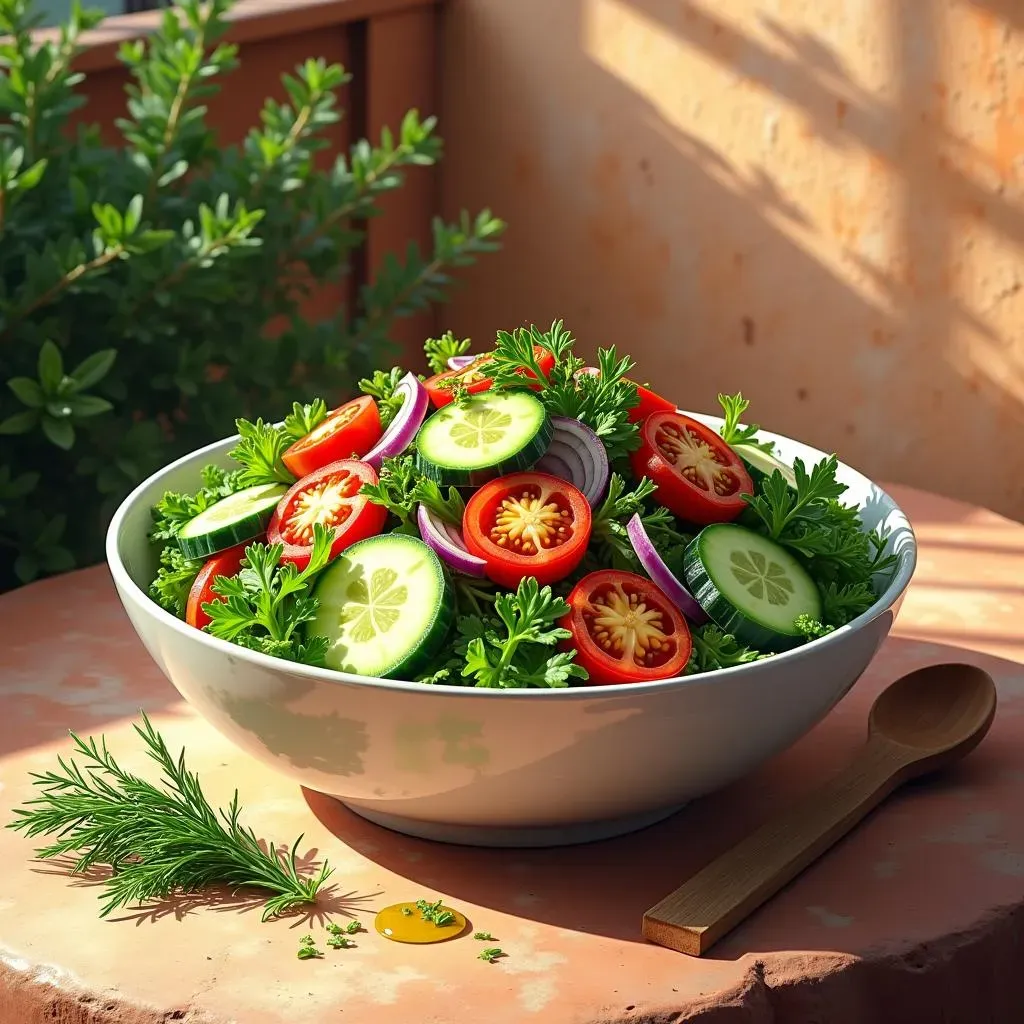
{"x": 404, "y": 922}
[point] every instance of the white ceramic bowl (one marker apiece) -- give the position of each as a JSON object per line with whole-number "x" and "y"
{"x": 503, "y": 767}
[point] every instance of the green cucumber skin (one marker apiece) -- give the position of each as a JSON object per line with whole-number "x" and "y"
{"x": 525, "y": 458}
{"x": 725, "y": 614}
{"x": 247, "y": 527}
{"x": 432, "y": 640}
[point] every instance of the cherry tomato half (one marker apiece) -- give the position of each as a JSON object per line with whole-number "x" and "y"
{"x": 348, "y": 432}
{"x": 329, "y": 496}
{"x": 224, "y": 563}
{"x": 474, "y": 376}
{"x": 650, "y": 401}
{"x": 699, "y": 477}
{"x": 527, "y": 524}
{"x": 625, "y": 630}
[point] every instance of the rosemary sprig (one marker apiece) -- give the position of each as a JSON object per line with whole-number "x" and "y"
{"x": 158, "y": 841}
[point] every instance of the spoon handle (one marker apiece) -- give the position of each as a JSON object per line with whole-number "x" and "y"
{"x": 702, "y": 910}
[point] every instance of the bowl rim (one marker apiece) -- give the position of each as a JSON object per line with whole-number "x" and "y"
{"x": 129, "y": 590}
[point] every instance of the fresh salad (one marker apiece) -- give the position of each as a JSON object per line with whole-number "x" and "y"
{"x": 517, "y": 519}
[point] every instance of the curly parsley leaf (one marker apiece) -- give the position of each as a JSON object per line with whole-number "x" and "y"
{"x": 174, "y": 510}
{"x": 303, "y": 419}
{"x": 448, "y": 507}
{"x": 826, "y": 535}
{"x": 733, "y": 407}
{"x": 780, "y": 506}
{"x": 268, "y": 601}
{"x": 610, "y": 545}
{"x": 439, "y": 350}
{"x": 514, "y": 648}
{"x": 602, "y": 401}
{"x": 402, "y": 487}
{"x": 383, "y": 386}
{"x": 714, "y": 649}
{"x": 812, "y": 629}
{"x": 258, "y": 452}
{"x": 840, "y": 603}
{"x": 515, "y": 354}
{"x": 396, "y": 490}
{"x": 174, "y": 579}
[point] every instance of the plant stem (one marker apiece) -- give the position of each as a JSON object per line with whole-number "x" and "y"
{"x": 369, "y": 323}
{"x": 73, "y": 275}
{"x": 347, "y": 209}
{"x": 177, "y": 108}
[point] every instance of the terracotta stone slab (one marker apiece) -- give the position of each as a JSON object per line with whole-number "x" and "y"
{"x": 919, "y": 915}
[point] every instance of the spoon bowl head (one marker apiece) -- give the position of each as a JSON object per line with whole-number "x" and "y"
{"x": 935, "y": 710}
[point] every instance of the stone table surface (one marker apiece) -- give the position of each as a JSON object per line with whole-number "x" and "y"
{"x": 918, "y": 915}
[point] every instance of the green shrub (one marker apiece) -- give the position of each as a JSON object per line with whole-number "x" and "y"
{"x": 137, "y": 281}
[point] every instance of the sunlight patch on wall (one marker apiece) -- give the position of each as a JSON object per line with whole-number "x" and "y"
{"x": 773, "y": 126}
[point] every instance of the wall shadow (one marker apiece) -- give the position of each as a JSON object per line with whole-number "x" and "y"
{"x": 707, "y": 265}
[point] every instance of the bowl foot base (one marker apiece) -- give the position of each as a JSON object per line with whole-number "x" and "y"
{"x": 500, "y": 836}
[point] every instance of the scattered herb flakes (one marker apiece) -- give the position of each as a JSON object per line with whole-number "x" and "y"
{"x": 484, "y": 936}
{"x": 491, "y": 954}
{"x": 307, "y": 949}
{"x": 352, "y": 927}
{"x": 407, "y": 911}
{"x": 340, "y": 942}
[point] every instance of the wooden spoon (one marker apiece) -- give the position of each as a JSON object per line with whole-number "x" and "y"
{"x": 922, "y": 722}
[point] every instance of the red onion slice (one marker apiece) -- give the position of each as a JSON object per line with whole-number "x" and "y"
{"x": 407, "y": 421}
{"x": 578, "y": 455}
{"x": 660, "y": 574}
{"x": 447, "y": 542}
{"x": 460, "y": 362}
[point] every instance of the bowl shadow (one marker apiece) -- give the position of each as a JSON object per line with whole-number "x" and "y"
{"x": 604, "y": 888}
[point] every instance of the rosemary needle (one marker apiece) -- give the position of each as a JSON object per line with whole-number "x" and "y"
{"x": 157, "y": 841}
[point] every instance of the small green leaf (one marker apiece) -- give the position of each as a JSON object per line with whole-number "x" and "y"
{"x": 26, "y": 568}
{"x": 51, "y": 367}
{"x": 59, "y": 432}
{"x": 88, "y": 405}
{"x": 94, "y": 368}
{"x": 27, "y": 391}
{"x": 20, "y": 422}
{"x": 57, "y": 560}
{"x": 31, "y": 177}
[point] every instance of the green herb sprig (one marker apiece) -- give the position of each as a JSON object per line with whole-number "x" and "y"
{"x": 268, "y": 601}
{"x": 383, "y": 387}
{"x": 514, "y": 649}
{"x": 610, "y": 546}
{"x": 733, "y": 408}
{"x": 303, "y": 419}
{"x": 439, "y": 350}
{"x": 258, "y": 452}
{"x": 402, "y": 487}
{"x": 159, "y": 840}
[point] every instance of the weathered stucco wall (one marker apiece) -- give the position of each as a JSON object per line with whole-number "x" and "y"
{"x": 819, "y": 203}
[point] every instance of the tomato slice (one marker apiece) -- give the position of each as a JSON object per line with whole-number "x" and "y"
{"x": 329, "y": 496}
{"x": 650, "y": 401}
{"x": 699, "y": 477}
{"x": 348, "y": 432}
{"x": 527, "y": 524}
{"x": 224, "y": 563}
{"x": 474, "y": 376}
{"x": 625, "y": 630}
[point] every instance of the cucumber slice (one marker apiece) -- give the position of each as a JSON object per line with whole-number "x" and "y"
{"x": 750, "y": 586}
{"x": 385, "y": 606}
{"x": 238, "y": 517}
{"x": 485, "y": 437}
{"x": 760, "y": 464}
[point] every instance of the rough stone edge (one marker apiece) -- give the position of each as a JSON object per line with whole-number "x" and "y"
{"x": 40, "y": 994}
{"x": 968, "y": 977}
